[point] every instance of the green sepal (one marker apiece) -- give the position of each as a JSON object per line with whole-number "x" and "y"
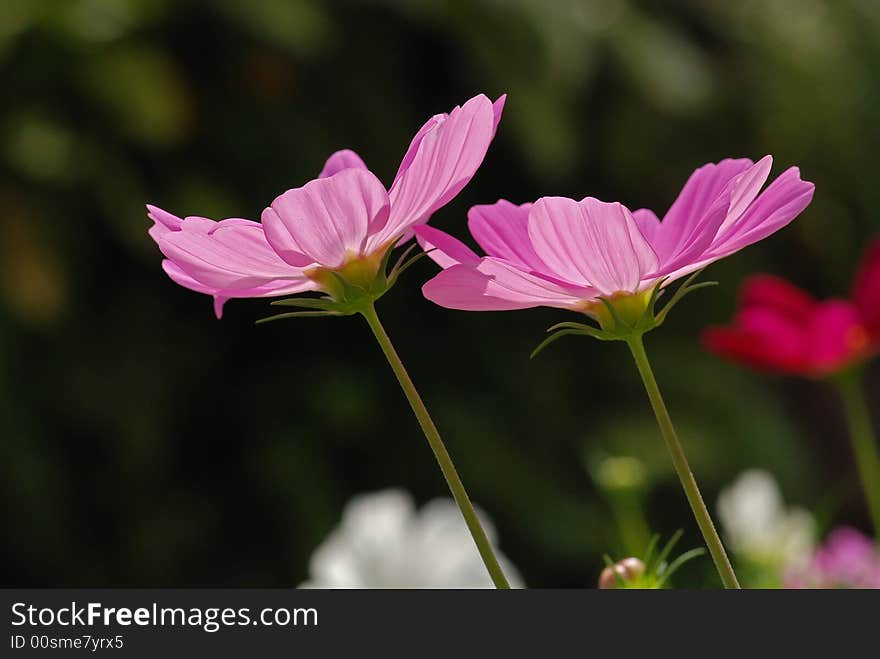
{"x": 299, "y": 314}
{"x": 585, "y": 330}
{"x": 681, "y": 291}
{"x": 322, "y": 303}
{"x": 402, "y": 266}
{"x": 623, "y": 317}
{"x": 353, "y": 288}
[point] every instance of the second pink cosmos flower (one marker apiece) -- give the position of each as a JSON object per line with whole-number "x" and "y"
{"x": 559, "y": 252}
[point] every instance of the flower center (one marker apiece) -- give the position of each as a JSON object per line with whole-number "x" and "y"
{"x": 857, "y": 338}
{"x": 626, "y": 308}
{"x": 357, "y": 277}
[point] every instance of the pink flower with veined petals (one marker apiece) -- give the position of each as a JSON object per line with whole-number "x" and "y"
{"x": 559, "y": 252}
{"x": 343, "y": 217}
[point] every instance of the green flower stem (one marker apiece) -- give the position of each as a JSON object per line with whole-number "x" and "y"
{"x": 437, "y": 446}
{"x": 704, "y": 520}
{"x": 864, "y": 443}
{"x": 632, "y": 525}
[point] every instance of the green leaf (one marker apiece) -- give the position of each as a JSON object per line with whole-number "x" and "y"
{"x": 678, "y": 562}
{"x": 649, "y": 552}
{"x": 667, "y": 548}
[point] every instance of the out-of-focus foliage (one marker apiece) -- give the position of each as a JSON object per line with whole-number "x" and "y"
{"x": 144, "y": 443}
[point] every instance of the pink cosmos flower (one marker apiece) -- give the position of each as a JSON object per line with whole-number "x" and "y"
{"x": 781, "y": 328}
{"x": 344, "y": 219}
{"x": 563, "y": 253}
{"x": 848, "y": 559}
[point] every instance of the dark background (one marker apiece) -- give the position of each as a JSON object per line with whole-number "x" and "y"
{"x": 144, "y": 443}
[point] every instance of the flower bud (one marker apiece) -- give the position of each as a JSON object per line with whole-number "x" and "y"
{"x": 627, "y": 570}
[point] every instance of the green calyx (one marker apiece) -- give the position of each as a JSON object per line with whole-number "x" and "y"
{"x": 350, "y": 289}
{"x": 624, "y": 316}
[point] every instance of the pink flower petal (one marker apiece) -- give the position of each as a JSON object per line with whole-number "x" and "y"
{"x": 728, "y": 206}
{"x": 442, "y": 158}
{"x": 648, "y": 222}
{"x": 271, "y": 289}
{"x": 779, "y": 204}
{"x": 445, "y": 250}
{"x": 745, "y": 187}
{"x": 328, "y": 219}
{"x": 231, "y": 254}
{"x": 163, "y": 218}
{"x": 591, "y": 243}
{"x": 343, "y": 159}
{"x": 502, "y": 230}
{"x": 696, "y": 199}
{"x": 495, "y": 285}
{"x": 497, "y": 111}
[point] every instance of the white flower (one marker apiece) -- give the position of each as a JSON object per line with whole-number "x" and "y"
{"x": 384, "y": 542}
{"x": 757, "y": 524}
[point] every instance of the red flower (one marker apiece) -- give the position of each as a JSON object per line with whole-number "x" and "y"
{"x": 781, "y": 328}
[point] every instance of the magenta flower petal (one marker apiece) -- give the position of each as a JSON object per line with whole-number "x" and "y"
{"x": 866, "y": 288}
{"x": 783, "y": 328}
{"x": 495, "y": 285}
{"x": 443, "y": 249}
{"x": 343, "y": 159}
{"x": 442, "y": 158}
{"x": 778, "y": 294}
{"x": 835, "y": 335}
{"x": 591, "y": 243}
{"x": 327, "y": 220}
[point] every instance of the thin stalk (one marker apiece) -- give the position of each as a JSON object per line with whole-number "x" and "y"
{"x": 443, "y": 459}
{"x": 682, "y": 468}
{"x": 632, "y": 525}
{"x": 864, "y": 443}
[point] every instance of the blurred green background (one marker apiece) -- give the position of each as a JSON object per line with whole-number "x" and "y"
{"x": 144, "y": 443}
